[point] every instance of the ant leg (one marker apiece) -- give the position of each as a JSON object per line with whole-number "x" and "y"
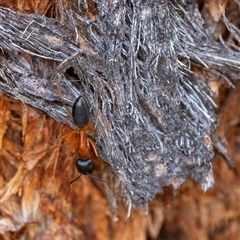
{"x": 96, "y": 120}
{"x": 98, "y": 111}
{"x": 103, "y": 181}
{"x": 105, "y": 127}
{"x": 108, "y": 122}
{"x": 93, "y": 146}
{"x": 63, "y": 66}
{"x": 61, "y": 96}
{"x": 74, "y": 180}
{"x": 75, "y": 143}
{"x": 67, "y": 134}
{"x": 90, "y": 129}
{"x": 58, "y": 130}
{"x": 71, "y": 183}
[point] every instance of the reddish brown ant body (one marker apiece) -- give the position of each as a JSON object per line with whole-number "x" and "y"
{"x": 87, "y": 151}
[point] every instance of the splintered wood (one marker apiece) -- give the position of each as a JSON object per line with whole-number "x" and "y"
{"x": 36, "y": 169}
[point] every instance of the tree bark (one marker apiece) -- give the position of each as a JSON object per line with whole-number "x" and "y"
{"x": 149, "y": 71}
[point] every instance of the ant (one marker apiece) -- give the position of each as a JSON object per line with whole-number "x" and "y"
{"x": 86, "y": 148}
{"x": 87, "y": 151}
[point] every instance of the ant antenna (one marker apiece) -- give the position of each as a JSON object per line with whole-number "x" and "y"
{"x": 71, "y": 183}
{"x": 103, "y": 181}
{"x": 95, "y": 178}
{"x": 75, "y": 179}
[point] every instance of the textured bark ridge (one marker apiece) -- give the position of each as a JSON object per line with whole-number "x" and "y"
{"x": 142, "y": 64}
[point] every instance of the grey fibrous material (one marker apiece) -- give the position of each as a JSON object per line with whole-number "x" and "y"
{"x": 132, "y": 61}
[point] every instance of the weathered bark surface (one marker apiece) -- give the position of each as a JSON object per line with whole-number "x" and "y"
{"x": 36, "y": 166}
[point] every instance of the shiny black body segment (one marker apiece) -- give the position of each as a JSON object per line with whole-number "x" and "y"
{"x": 84, "y": 166}
{"x": 80, "y": 112}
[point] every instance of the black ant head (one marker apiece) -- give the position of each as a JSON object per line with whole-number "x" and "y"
{"x": 84, "y": 166}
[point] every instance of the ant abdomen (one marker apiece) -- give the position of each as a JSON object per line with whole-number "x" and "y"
{"x": 80, "y": 112}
